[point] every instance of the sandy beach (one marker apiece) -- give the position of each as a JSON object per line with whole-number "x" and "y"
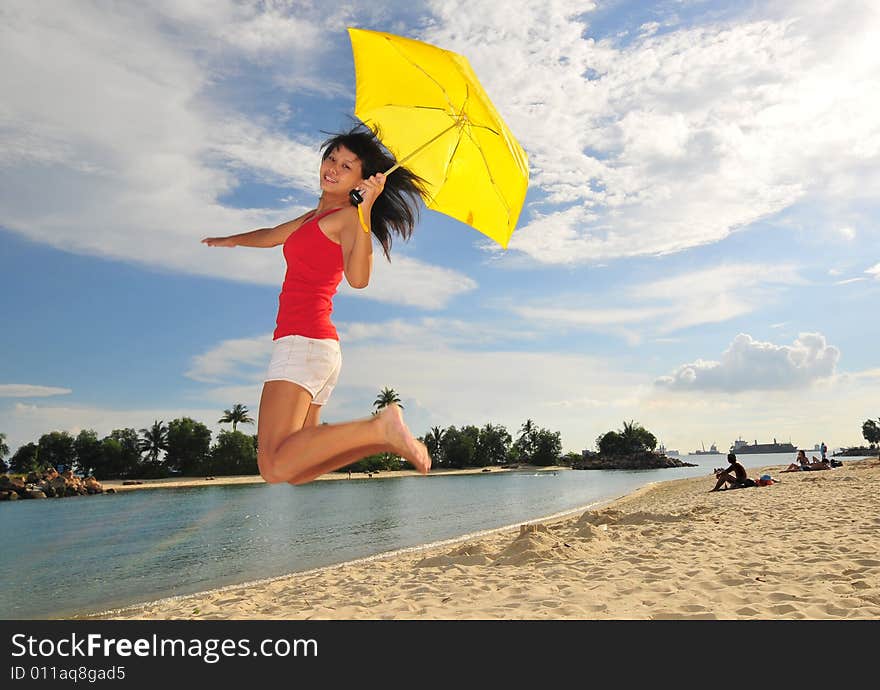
{"x": 805, "y": 548}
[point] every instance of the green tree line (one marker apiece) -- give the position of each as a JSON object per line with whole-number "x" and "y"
{"x": 189, "y": 451}
{"x": 130, "y": 454}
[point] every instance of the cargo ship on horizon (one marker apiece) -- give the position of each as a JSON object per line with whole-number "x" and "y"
{"x": 740, "y": 446}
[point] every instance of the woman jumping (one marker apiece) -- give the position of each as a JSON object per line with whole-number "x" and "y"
{"x": 319, "y": 247}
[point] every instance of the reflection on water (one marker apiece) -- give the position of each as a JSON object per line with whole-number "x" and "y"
{"x": 74, "y": 555}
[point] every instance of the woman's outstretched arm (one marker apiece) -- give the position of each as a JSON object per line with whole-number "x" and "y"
{"x": 262, "y": 237}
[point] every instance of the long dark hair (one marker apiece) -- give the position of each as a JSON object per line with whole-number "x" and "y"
{"x": 397, "y": 207}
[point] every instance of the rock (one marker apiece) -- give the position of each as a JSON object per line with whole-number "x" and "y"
{"x": 8, "y": 483}
{"x": 48, "y": 485}
{"x": 92, "y": 486}
{"x": 635, "y": 461}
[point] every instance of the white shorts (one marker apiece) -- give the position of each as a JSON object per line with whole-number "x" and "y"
{"x": 307, "y": 362}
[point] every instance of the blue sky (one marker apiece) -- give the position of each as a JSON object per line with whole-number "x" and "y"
{"x": 699, "y": 249}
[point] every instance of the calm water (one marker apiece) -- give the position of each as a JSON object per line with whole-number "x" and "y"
{"x": 76, "y": 555}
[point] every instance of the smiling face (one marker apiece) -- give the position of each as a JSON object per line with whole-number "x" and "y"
{"x": 340, "y": 171}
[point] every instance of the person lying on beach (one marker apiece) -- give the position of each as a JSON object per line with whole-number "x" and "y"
{"x": 735, "y": 476}
{"x": 804, "y": 465}
{"x": 333, "y": 240}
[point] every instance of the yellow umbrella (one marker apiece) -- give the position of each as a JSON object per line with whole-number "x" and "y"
{"x": 436, "y": 119}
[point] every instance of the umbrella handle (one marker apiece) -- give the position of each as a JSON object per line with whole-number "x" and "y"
{"x": 356, "y": 200}
{"x": 355, "y": 196}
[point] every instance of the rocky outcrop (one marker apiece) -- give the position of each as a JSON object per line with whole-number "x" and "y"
{"x": 857, "y": 451}
{"x": 48, "y": 484}
{"x": 645, "y": 460}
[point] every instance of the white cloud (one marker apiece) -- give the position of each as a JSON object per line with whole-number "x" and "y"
{"x": 649, "y": 28}
{"x": 443, "y": 381}
{"x": 441, "y": 378}
{"x": 241, "y": 360}
{"x": 410, "y": 281}
{"x": 749, "y": 364}
{"x": 664, "y": 306}
{"x": 847, "y": 233}
{"x": 874, "y": 271}
{"x": 675, "y": 140}
{"x": 232, "y": 359}
{"x": 430, "y": 332}
{"x": 832, "y": 411}
{"x": 117, "y": 149}
{"x": 27, "y": 390}
{"x": 256, "y": 149}
{"x": 28, "y": 422}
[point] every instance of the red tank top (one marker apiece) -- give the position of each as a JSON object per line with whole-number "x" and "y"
{"x": 314, "y": 271}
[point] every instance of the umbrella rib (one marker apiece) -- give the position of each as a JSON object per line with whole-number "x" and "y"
{"x": 442, "y": 110}
{"x": 494, "y": 131}
{"x": 423, "y": 71}
{"x": 413, "y": 107}
{"x": 489, "y": 173}
{"x": 450, "y": 158}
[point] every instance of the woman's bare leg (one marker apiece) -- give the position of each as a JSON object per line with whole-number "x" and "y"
{"x": 290, "y": 451}
{"x": 313, "y": 419}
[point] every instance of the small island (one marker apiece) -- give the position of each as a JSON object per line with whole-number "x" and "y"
{"x": 629, "y": 448}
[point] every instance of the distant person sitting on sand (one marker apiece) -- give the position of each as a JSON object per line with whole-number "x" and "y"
{"x": 735, "y": 475}
{"x": 800, "y": 463}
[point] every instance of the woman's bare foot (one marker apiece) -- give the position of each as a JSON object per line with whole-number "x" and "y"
{"x": 399, "y": 437}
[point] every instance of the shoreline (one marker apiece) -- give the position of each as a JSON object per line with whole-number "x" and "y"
{"x": 804, "y": 548}
{"x": 125, "y": 611}
{"x": 223, "y": 480}
{"x": 109, "y": 613}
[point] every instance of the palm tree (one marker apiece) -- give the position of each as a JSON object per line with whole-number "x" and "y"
{"x": 524, "y": 447}
{"x": 528, "y": 429}
{"x": 386, "y": 397}
{"x": 237, "y": 415}
{"x": 434, "y": 442}
{"x": 4, "y": 451}
{"x": 636, "y": 437}
{"x": 155, "y": 440}
{"x": 630, "y": 433}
